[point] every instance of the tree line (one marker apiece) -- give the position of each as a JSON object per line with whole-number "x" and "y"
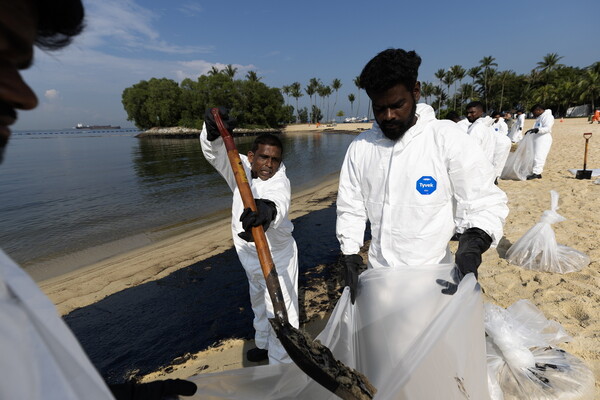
{"x": 553, "y": 85}
{"x": 163, "y": 102}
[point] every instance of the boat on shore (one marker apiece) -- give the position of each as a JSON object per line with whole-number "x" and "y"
{"x": 82, "y": 126}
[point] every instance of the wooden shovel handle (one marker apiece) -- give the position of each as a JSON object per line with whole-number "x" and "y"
{"x": 260, "y": 239}
{"x": 587, "y": 135}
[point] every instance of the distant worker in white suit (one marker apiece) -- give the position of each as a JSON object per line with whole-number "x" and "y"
{"x": 516, "y": 131}
{"x": 503, "y": 143}
{"x": 271, "y": 189}
{"x": 542, "y": 139}
{"x": 480, "y": 129}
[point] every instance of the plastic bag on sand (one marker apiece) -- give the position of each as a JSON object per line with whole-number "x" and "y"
{"x": 519, "y": 163}
{"x": 523, "y": 362}
{"x": 411, "y": 341}
{"x": 537, "y": 250}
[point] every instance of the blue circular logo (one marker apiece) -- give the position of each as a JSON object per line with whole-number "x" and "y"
{"x": 426, "y": 185}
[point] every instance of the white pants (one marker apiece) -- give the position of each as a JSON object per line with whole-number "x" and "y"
{"x": 286, "y": 263}
{"x": 541, "y": 148}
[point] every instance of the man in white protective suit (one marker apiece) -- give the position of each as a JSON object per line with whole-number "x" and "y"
{"x": 480, "y": 129}
{"x": 542, "y": 139}
{"x": 416, "y": 179}
{"x": 503, "y": 143}
{"x": 40, "y": 358}
{"x": 516, "y": 131}
{"x": 271, "y": 190}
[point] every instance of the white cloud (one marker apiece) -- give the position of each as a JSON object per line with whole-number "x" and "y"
{"x": 126, "y": 26}
{"x": 51, "y": 94}
{"x": 190, "y": 8}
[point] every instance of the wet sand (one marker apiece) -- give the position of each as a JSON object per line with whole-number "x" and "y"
{"x": 152, "y": 301}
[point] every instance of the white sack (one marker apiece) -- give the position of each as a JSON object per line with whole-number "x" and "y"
{"x": 519, "y": 163}
{"x": 409, "y": 339}
{"x": 523, "y": 360}
{"x": 537, "y": 249}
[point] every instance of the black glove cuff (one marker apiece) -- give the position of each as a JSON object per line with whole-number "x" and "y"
{"x": 474, "y": 239}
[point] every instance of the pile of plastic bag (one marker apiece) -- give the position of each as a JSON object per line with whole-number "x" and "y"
{"x": 409, "y": 339}
{"x": 524, "y": 362}
{"x": 538, "y": 250}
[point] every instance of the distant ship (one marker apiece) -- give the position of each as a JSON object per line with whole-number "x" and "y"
{"x": 82, "y": 126}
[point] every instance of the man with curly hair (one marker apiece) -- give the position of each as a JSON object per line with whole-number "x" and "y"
{"x": 416, "y": 179}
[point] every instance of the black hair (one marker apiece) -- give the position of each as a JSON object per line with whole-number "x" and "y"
{"x": 476, "y": 104}
{"x": 452, "y": 116}
{"x": 267, "y": 139}
{"x": 59, "y": 21}
{"x": 536, "y": 106}
{"x": 390, "y": 68}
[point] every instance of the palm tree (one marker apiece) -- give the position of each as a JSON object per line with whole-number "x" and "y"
{"x": 356, "y": 82}
{"x": 549, "y": 63}
{"x": 459, "y": 74}
{"x": 590, "y": 85}
{"x": 336, "y": 85}
{"x": 230, "y": 71}
{"x": 252, "y": 76}
{"x": 426, "y": 90}
{"x": 351, "y": 99}
{"x": 448, "y": 81}
{"x": 503, "y": 76}
{"x": 440, "y": 74}
{"x": 296, "y": 92}
{"x": 311, "y": 88}
{"x": 473, "y": 74}
{"x": 486, "y": 64}
{"x": 213, "y": 71}
{"x": 286, "y": 89}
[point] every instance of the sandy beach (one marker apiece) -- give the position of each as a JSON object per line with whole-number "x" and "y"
{"x": 572, "y": 299}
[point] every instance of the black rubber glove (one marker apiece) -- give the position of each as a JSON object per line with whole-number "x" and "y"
{"x": 471, "y": 245}
{"x": 266, "y": 211}
{"x": 351, "y": 268}
{"x": 212, "y": 131}
{"x": 155, "y": 390}
{"x": 534, "y": 130}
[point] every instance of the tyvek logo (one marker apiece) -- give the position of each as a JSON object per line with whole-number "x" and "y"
{"x": 426, "y": 185}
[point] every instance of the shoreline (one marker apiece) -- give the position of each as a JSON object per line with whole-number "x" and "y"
{"x": 85, "y": 285}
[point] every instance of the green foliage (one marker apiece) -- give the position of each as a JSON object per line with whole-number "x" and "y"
{"x": 303, "y": 115}
{"x": 164, "y": 103}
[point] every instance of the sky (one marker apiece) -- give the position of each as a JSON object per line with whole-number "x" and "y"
{"x": 127, "y": 41}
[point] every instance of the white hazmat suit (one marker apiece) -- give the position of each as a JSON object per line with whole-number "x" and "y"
{"x": 542, "y": 140}
{"x": 481, "y": 132}
{"x": 40, "y": 358}
{"x": 416, "y": 192}
{"x": 281, "y": 243}
{"x": 516, "y": 131}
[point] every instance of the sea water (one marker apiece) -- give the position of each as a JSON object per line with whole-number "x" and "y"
{"x": 72, "y": 197}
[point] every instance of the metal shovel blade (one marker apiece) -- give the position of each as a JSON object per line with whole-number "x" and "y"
{"x": 317, "y": 361}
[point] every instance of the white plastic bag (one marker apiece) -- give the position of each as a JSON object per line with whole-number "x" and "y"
{"x": 409, "y": 339}
{"x": 523, "y": 360}
{"x": 537, "y": 249}
{"x": 519, "y": 163}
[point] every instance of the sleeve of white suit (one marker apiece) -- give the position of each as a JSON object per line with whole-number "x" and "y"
{"x": 479, "y": 203}
{"x": 216, "y": 154}
{"x": 546, "y": 123}
{"x": 351, "y": 212}
{"x": 278, "y": 190}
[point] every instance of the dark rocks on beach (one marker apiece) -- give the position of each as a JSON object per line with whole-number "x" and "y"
{"x": 182, "y": 132}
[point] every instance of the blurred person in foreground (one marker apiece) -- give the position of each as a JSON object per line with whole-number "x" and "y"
{"x": 40, "y": 358}
{"x": 416, "y": 179}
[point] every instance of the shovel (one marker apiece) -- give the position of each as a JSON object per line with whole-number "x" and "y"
{"x": 585, "y": 173}
{"x": 310, "y": 356}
